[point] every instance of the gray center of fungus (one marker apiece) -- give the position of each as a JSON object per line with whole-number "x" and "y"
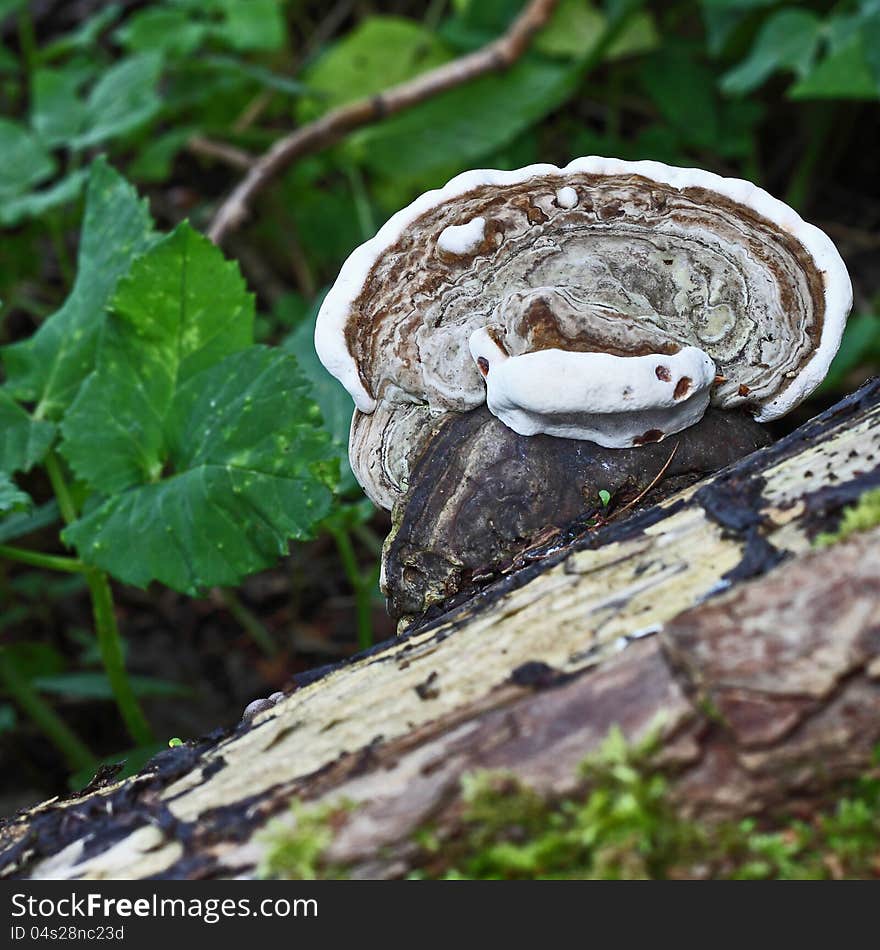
{"x": 630, "y": 267}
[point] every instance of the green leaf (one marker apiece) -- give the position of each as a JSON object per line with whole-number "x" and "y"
{"x": 249, "y": 469}
{"x": 180, "y": 310}
{"x": 57, "y": 111}
{"x": 36, "y": 203}
{"x": 169, "y": 30}
{"x": 25, "y": 161}
{"x": 576, "y": 27}
{"x": 787, "y": 41}
{"x": 843, "y": 74}
{"x": 49, "y": 368}
{"x": 330, "y": 395}
{"x": 464, "y": 124}
{"x": 123, "y": 99}
{"x": 252, "y": 24}
{"x": 23, "y": 441}
{"x": 97, "y": 686}
{"x": 476, "y": 22}
{"x": 380, "y": 52}
{"x": 12, "y": 498}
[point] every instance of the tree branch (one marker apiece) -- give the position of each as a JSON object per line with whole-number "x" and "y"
{"x": 497, "y": 56}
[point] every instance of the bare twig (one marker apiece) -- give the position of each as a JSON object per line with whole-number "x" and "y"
{"x": 495, "y": 57}
{"x": 645, "y": 491}
{"x": 220, "y": 151}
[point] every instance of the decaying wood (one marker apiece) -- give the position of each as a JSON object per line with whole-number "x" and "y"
{"x": 496, "y": 56}
{"x": 711, "y": 611}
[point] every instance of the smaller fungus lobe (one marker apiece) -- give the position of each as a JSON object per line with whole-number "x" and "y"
{"x": 461, "y": 239}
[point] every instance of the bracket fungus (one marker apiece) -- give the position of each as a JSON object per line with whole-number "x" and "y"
{"x": 608, "y": 302}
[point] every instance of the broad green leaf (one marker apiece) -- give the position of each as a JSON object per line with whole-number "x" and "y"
{"x": 25, "y": 161}
{"x": 476, "y": 22}
{"x": 123, "y": 99}
{"x": 48, "y": 368}
{"x": 12, "y": 498}
{"x": 57, "y": 111}
{"x": 573, "y": 29}
{"x": 724, "y": 18}
{"x": 843, "y": 74}
{"x": 576, "y": 27}
{"x": 248, "y": 469}
{"x": 36, "y": 203}
{"x": 330, "y": 395}
{"x": 180, "y": 310}
{"x": 170, "y": 30}
{"x": 93, "y": 685}
{"x": 252, "y": 24}
{"x": 787, "y": 40}
{"x": 464, "y": 124}
{"x": 23, "y": 440}
{"x": 380, "y": 52}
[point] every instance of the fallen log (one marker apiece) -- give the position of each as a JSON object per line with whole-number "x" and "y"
{"x": 709, "y": 616}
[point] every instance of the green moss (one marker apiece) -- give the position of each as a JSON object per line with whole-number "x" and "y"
{"x": 619, "y": 823}
{"x": 863, "y": 515}
{"x": 295, "y": 851}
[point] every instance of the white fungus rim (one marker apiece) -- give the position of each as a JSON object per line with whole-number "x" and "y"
{"x": 333, "y": 316}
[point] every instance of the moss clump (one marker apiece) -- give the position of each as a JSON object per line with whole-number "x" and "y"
{"x": 619, "y": 824}
{"x": 295, "y": 851}
{"x": 863, "y": 515}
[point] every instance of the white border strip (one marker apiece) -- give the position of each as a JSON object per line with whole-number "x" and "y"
{"x": 334, "y": 313}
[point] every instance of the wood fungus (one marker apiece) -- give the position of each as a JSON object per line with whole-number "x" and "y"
{"x": 607, "y": 303}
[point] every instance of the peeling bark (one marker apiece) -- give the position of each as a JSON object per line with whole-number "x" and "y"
{"x": 710, "y": 610}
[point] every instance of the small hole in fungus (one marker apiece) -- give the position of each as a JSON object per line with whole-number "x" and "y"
{"x": 664, "y": 374}
{"x": 652, "y": 435}
{"x": 483, "y": 363}
{"x": 743, "y": 390}
{"x": 682, "y": 387}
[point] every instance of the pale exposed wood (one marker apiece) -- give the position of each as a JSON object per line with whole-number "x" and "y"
{"x": 703, "y": 603}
